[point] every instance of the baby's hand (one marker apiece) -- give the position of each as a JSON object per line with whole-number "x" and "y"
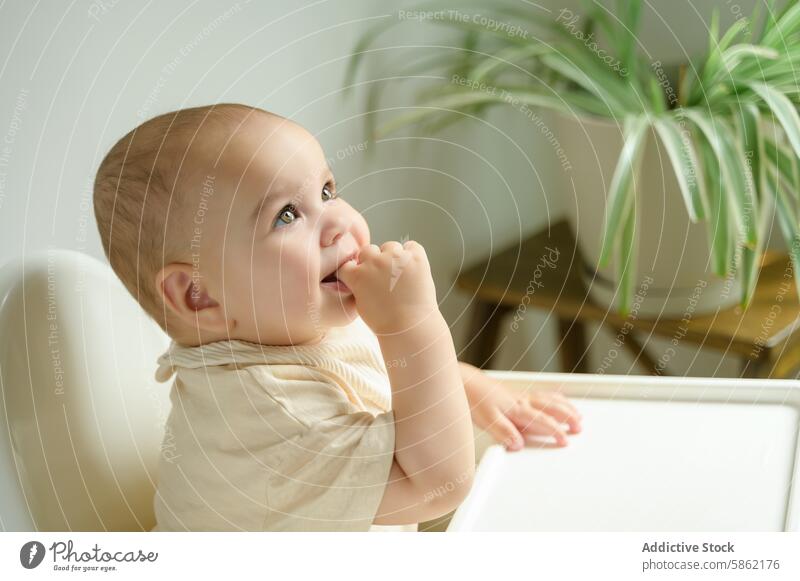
{"x": 392, "y": 286}
{"x": 509, "y": 416}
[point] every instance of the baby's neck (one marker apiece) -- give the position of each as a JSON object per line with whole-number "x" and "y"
{"x": 197, "y": 341}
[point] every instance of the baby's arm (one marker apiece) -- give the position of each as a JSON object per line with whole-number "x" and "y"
{"x": 434, "y": 451}
{"x": 434, "y": 458}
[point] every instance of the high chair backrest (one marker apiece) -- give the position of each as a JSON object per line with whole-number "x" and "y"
{"x": 84, "y": 413}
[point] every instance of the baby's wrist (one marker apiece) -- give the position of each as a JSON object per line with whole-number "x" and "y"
{"x": 402, "y": 320}
{"x": 415, "y": 331}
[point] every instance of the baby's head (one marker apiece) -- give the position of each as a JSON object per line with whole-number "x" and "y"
{"x": 222, "y": 222}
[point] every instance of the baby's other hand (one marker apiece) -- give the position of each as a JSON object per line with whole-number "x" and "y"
{"x": 510, "y": 416}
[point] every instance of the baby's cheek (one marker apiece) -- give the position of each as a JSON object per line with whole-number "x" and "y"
{"x": 294, "y": 283}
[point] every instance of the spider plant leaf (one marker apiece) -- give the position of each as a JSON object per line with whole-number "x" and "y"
{"x": 530, "y": 98}
{"x": 752, "y": 257}
{"x": 433, "y": 107}
{"x": 746, "y": 207}
{"x": 795, "y": 170}
{"x": 735, "y": 55}
{"x": 730, "y": 35}
{"x": 714, "y": 52}
{"x": 461, "y": 100}
{"x": 784, "y": 111}
{"x": 687, "y": 82}
{"x": 713, "y": 61}
{"x": 440, "y": 87}
{"x": 621, "y": 193}
{"x": 713, "y": 33}
{"x": 631, "y": 12}
{"x": 372, "y": 33}
{"x": 376, "y": 88}
{"x": 507, "y": 57}
{"x": 368, "y": 38}
{"x": 770, "y": 17}
{"x": 784, "y": 164}
{"x": 656, "y": 95}
{"x": 718, "y": 212}
{"x": 751, "y": 33}
{"x": 597, "y": 13}
{"x": 754, "y": 152}
{"x": 626, "y": 268}
{"x": 747, "y": 118}
{"x": 685, "y": 165}
{"x": 787, "y": 25}
{"x": 780, "y": 14}
{"x": 361, "y": 49}
{"x": 435, "y": 124}
{"x": 787, "y": 224}
{"x": 372, "y": 105}
{"x": 593, "y": 79}
{"x": 428, "y": 62}
{"x": 587, "y": 103}
{"x": 785, "y": 64}
{"x": 570, "y": 102}
{"x": 731, "y": 160}
{"x": 469, "y": 46}
{"x": 744, "y": 64}
{"x": 749, "y": 270}
{"x": 727, "y": 57}
{"x": 765, "y": 224}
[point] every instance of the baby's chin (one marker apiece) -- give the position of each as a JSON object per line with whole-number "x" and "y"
{"x": 314, "y": 329}
{"x": 345, "y": 318}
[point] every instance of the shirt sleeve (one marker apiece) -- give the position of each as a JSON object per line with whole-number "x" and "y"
{"x": 332, "y": 463}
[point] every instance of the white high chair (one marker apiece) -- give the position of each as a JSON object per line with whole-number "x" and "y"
{"x": 81, "y": 415}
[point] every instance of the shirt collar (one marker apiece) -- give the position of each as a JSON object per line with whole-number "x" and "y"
{"x": 240, "y": 352}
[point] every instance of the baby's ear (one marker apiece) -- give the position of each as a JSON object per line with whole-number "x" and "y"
{"x": 187, "y": 298}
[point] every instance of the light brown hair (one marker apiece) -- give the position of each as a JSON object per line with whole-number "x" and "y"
{"x": 139, "y": 194}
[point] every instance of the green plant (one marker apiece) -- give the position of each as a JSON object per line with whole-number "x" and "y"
{"x": 731, "y": 127}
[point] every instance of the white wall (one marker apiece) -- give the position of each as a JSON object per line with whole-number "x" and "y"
{"x": 75, "y": 77}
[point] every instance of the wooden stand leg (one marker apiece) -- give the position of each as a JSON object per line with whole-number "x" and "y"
{"x": 572, "y": 350}
{"x": 788, "y": 364}
{"x": 640, "y": 354}
{"x": 754, "y": 368}
{"x": 482, "y": 339}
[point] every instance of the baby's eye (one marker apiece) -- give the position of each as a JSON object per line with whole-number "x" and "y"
{"x": 289, "y": 213}
{"x": 287, "y": 216}
{"x": 327, "y": 190}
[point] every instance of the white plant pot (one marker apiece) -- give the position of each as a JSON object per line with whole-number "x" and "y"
{"x": 674, "y": 276}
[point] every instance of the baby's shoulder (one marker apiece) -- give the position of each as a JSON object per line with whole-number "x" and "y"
{"x": 308, "y": 394}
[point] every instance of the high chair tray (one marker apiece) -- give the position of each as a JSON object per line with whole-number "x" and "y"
{"x": 655, "y": 454}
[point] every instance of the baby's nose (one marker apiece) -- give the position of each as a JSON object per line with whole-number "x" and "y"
{"x": 334, "y": 230}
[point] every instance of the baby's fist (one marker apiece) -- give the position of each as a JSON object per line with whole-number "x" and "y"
{"x": 392, "y": 285}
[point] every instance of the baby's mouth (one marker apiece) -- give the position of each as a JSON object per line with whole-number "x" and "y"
{"x": 332, "y": 281}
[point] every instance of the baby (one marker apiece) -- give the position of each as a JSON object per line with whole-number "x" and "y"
{"x": 316, "y": 382}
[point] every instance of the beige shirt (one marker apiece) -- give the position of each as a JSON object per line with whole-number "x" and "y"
{"x": 276, "y": 438}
